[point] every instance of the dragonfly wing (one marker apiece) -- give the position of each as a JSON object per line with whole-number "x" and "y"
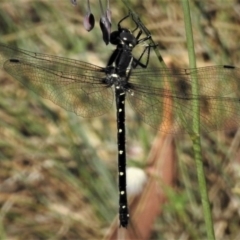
{"x": 78, "y": 88}
{"x": 9, "y": 52}
{"x": 164, "y": 99}
{"x": 219, "y": 95}
{"x": 155, "y": 109}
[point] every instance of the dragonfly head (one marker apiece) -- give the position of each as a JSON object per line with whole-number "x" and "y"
{"x": 123, "y": 37}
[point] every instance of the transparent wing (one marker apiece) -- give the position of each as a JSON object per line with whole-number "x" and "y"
{"x": 74, "y": 85}
{"x": 163, "y": 97}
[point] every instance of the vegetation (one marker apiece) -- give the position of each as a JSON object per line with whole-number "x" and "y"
{"x": 58, "y": 177}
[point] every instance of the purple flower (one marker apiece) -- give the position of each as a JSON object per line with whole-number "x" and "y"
{"x": 105, "y": 23}
{"x": 89, "y": 20}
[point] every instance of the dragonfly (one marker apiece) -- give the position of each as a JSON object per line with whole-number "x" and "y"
{"x": 160, "y": 96}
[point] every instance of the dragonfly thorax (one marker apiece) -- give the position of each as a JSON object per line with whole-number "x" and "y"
{"x": 117, "y": 80}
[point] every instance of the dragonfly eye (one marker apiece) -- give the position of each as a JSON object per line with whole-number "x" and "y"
{"x": 114, "y": 38}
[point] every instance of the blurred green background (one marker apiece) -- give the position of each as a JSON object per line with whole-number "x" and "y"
{"x": 58, "y": 171}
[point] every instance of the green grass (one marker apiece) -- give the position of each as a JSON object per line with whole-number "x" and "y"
{"x": 59, "y": 171}
{"x": 195, "y": 136}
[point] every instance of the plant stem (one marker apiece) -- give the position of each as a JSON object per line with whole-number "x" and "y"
{"x": 195, "y": 133}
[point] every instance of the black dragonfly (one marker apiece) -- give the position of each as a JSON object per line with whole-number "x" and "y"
{"x": 159, "y": 96}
